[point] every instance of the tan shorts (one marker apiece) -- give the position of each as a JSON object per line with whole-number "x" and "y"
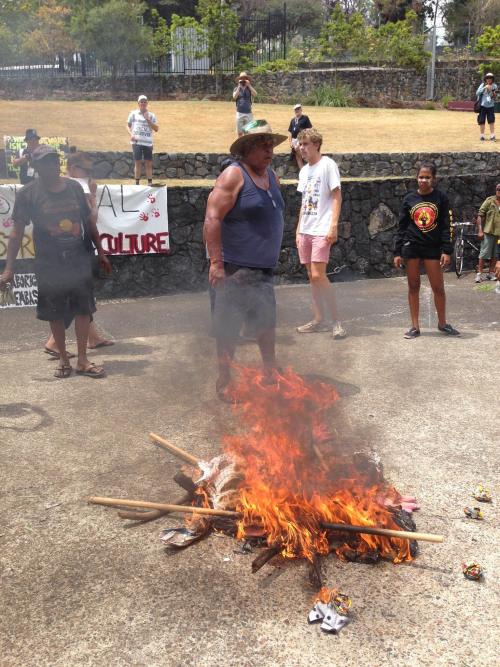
{"x": 242, "y": 119}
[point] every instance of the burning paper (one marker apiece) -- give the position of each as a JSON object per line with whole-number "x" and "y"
{"x": 482, "y": 494}
{"x": 472, "y": 571}
{"x": 331, "y": 609}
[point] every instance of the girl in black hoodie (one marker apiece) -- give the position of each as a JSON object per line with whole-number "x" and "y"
{"x": 425, "y": 234}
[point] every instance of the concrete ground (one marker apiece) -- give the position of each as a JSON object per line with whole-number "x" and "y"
{"x": 80, "y": 587}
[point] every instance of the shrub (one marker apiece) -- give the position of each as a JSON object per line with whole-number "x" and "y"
{"x": 328, "y": 96}
{"x": 429, "y": 106}
{"x": 446, "y": 99}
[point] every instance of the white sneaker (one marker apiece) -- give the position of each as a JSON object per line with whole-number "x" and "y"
{"x": 338, "y": 331}
{"x": 497, "y": 288}
{"x": 491, "y": 276}
{"x": 313, "y": 327}
{"x": 479, "y": 278}
{"x": 493, "y": 138}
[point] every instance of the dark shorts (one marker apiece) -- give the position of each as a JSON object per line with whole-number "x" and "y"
{"x": 418, "y": 251}
{"x": 247, "y": 297}
{"x": 486, "y": 114}
{"x": 142, "y": 152}
{"x": 65, "y": 289}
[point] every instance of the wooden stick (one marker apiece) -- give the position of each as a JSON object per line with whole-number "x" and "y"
{"x": 385, "y": 532}
{"x": 151, "y": 515}
{"x": 173, "y": 449}
{"x": 264, "y": 557}
{"x": 183, "y": 509}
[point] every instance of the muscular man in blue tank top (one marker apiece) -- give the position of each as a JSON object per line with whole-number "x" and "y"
{"x": 243, "y": 231}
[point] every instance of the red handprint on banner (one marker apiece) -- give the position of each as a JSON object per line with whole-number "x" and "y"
{"x": 156, "y": 213}
{"x": 151, "y": 199}
{"x": 143, "y": 216}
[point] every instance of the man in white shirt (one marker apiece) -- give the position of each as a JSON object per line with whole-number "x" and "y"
{"x": 141, "y": 124}
{"x": 317, "y": 229}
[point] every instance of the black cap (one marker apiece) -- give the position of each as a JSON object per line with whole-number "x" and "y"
{"x": 31, "y": 134}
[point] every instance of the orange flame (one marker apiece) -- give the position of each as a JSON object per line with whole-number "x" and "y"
{"x": 291, "y": 484}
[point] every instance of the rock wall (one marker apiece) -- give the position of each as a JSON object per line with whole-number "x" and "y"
{"x": 367, "y": 225}
{"x": 365, "y": 165}
{"x": 370, "y": 83}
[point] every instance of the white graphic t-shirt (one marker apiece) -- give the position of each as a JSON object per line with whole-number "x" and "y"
{"x": 316, "y": 183}
{"x": 140, "y": 128}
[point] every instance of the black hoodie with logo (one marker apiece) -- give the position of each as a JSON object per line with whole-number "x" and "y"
{"x": 425, "y": 220}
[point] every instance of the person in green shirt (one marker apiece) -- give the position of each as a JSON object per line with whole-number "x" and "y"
{"x": 488, "y": 230}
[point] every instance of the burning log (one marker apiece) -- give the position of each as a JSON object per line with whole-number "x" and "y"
{"x": 173, "y": 449}
{"x": 264, "y": 557}
{"x": 385, "y": 532}
{"x": 166, "y": 507}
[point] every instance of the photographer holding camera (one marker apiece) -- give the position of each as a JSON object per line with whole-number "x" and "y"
{"x": 243, "y": 95}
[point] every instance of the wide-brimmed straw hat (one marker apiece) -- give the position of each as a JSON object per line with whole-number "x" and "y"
{"x": 243, "y": 75}
{"x": 256, "y": 128}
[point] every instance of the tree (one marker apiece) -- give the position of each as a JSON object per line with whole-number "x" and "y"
{"x": 398, "y": 43}
{"x": 221, "y": 24}
{"x": 50, "y": 33}
{"x": 395, "y": 10}
{"x": 114, "y": 32}
{"x": 343, "y": 34}
{"x": 465, "y": 19}
{"x": 488, "y": 44}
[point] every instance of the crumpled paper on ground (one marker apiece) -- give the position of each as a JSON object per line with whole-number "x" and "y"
{"x": 330, "y": 620}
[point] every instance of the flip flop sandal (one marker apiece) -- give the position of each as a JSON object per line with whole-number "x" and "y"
{"x": 55, "y": 355}
{"x": 102, "y": 343}
{"x": 91, "y": 371}
{"x": 63, "y": 371}
{"x": 225, "y": 394}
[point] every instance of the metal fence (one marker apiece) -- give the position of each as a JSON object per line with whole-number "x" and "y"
{"x": 262, "y": 39}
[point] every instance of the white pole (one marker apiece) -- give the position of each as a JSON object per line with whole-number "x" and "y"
{"x": 433, "y": 57}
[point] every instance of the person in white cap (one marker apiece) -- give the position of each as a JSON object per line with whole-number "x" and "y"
{"x": 298, "y": 123}
{"x": 486, "y": 95}
{"x": 141, "y": 124}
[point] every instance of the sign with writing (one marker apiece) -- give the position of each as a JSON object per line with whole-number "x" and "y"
{"x": 14, "y": 145}
{"x": 132, "y": 220}
{"x": 25, "y": 290}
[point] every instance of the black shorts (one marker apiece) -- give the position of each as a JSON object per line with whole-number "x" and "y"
{"x": 65, "y": 289}
{"x": 412, "y": 250}
{"x": 247, "y": 297}
{"x": 486, "y": 114}
{"x": 142, "y": 152}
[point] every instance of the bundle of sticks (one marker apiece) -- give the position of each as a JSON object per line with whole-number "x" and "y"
{"x": 144, "y": 511}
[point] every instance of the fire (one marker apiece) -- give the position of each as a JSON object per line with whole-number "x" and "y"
{"x": 291, "y": 483}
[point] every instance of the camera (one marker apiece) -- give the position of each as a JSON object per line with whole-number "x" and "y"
{"x": 242, "y": 82}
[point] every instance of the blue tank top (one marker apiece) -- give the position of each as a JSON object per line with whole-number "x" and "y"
{"x": 244, "y": 101}
{"x": 252, "y": 231}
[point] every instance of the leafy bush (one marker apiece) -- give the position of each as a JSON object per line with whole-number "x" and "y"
{"x": 289, "y": 64}
{"x": 429, "y": 106}
{"x": 328, "y": 96}
{"x": 446, "y": 99}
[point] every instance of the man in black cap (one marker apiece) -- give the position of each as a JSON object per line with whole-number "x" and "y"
{"x": 64, "y": 236}
{"x": 26, "y": 171}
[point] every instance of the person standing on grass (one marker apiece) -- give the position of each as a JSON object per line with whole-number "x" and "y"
{"x": 486, "y": 94}
{"x": 243, "y": 231}
{"x": 488, "y": 230}
{"x": 64, "y": 239}
{"x": 317, "y": 229}
{"x": 243, "y": 95}
{"x": 425, "y": 234}
{"x": 298, "y": 123}
{"x": 141, "y": 124}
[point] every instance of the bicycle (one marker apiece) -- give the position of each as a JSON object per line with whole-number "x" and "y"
{"x": 463, "y": 244}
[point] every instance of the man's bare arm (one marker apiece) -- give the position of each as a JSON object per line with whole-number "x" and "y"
{"x": 15, "y": 239}
{"x": 332, "y": 235}
{"x": 220, "y": 201}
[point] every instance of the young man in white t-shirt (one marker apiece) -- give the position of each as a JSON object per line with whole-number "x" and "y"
{"x": 319, "y": 183}
{"x": 141, "y": 124}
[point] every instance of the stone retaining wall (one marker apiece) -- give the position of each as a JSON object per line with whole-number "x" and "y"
{"x": 117, "y": 165}
{"x": 367, "y": 226}
{"x": 369, "y": 83}
{"x": 207, "y": 165}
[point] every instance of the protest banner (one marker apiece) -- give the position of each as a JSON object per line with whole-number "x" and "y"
{"x": 25, "y": 290}
{"x": 14, "y": 145}
{"x": 132, "y": 220}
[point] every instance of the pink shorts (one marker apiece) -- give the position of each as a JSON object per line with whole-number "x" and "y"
{"x": 313, "y": 249}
